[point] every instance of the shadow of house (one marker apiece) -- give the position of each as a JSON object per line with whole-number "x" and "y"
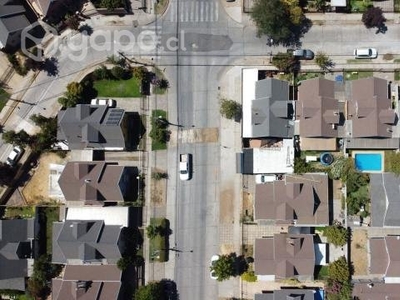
{"x": 15, "y": 252}
{"x": 13, "y": 19}
{"x": 133, "y": 129}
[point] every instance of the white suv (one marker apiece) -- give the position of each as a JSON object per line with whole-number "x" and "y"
{"x": 108, "y": 102}
{"x": 14, "y": 156}
{"x": 365, "y": 53}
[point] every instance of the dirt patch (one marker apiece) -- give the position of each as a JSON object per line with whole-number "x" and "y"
{"x": 226, "y": 206}
{"x": 247, "y": 209}
{"x": 158, "y": 190}
{"x": 227, "y": 249}
{"x": 37, "y": 189}
{"x": 359, "y": 256}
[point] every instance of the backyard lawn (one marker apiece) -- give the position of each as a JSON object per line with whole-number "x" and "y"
{"x": 52, "y": 215}
{"x": 118, "y": 88}
{"x": 19, "y": 212}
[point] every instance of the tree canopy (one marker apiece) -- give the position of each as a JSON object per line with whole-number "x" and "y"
{"x": 224, "y": 267}
{"x": 230, "y": 109}
{"x": 151, "y": 291}
{"x": 323, "y": 61}
{"x": 20, "y": 138}
{"x": 339, "y": 270}
{"x": 336, "y": 235}
{"x": 281, "y": 20}
{"x": 73, "y": 95}
{"x": 373, "y": 17}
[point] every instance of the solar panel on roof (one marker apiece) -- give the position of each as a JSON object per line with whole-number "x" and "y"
{"x": 114, "y": 117}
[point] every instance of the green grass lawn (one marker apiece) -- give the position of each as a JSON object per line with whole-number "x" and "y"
{"x": 321, "y": 272}
{"x": 358, "y": 6}
{"x": 156, "y": 145}
{"x": 397, "y": 75}
{"x": 52, "y": 215}
{"x": 3, "y": 98}
{"x": 158, "y": 246}
{"x": 23, "y": 212}
{"x": 357, "y": 75}
{"x": 118, "y": 88}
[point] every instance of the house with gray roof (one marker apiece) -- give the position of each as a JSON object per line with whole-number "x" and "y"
{"x": 16, "y": 237}
{"x": 285, "y": 256}
{"x": 270, "y": 113}
{"x": 289, "y": 294}
{"x": 92, "y": 127}
{"x": 12, "y": 21}
{"x": 384, "y": 258}
{"x": 95, "y": 183}
{"x": 317, "y": 110}
{"x": 91, "y": 282}
{"x": 78, "y": 242}
{"x": 302, "y": 200}
{"x": 369, "y": 109}
{"x": 385, "y": 202}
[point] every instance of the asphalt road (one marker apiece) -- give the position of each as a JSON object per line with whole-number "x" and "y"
{"x": 209, "y": 42}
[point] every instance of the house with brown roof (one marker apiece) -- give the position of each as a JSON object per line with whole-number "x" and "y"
{"x": 385, "y": 258}
{"x": 267, "y": 111}
{"x": 285, "y": 256}
{"x": 301, "y": 200}
{"x": 376, "y": 291}
{"x": 91, "y": 282}
{"x": 317, "y": 109}
{"x": 95, "y": 183}
{"x": 369, "y": 109}
{"x": 92, "y": 127}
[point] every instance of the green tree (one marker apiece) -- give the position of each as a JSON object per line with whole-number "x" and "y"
{"x": 230, "y": 109}
{"x": 249, "y": 276}
{"x": 323, "y": 61}
{"x": 151, "y": 291}
{"x": 102, "y": 73}
{"x": 118, "y": 72}
{"x": 140, "y": 72}
{"x": 301, "y": 166}
{"x": 124, "y": 262}
{"x": 277, "y": 19}
{"x": 336, "y": 235}
{"x": 73, "y": 95}
{"x": 112, "y": 4}
{"x": 20, "y": 138}
{"x": 47, "y": 135}
{"x": 339, "y": 270}
{"x": 285, "y": 62}
{"x": 373, "y": 17}
{"x": 224, "y": 267}
{"x": 152, "y": 231}
{"x": 341, "y": 167}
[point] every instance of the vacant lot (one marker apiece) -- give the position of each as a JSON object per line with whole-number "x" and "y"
{"x": 37, "y": 189}
{"x": 359, "y": 255}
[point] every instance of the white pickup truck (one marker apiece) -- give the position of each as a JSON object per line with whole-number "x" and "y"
{"x": 185, "y": 170}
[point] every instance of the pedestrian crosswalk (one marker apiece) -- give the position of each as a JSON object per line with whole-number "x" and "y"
{"x": 193, "y": 11}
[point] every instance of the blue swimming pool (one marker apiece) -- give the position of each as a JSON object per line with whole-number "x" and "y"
{"x": 368, "y": 162}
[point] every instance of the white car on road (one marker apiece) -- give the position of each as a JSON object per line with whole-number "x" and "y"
{"x": 214, "y": 258}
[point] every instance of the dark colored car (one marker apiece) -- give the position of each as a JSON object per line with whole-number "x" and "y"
{"x": 303, "y": 54}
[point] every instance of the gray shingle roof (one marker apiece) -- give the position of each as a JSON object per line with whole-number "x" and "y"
{"x": 270, "y": 111}
{"x": 95, "y": 127}
{"x": 287, "y": 294}
{"x": 15, "y": 248}
{"x": 12, "y": 19}
{"x": 78, "y": 241}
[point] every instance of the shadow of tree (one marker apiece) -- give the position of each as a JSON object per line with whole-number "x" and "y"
{"x": 170, "y": 289}
{"x": 86, "y": 29}
{"x": 50, "y": 66}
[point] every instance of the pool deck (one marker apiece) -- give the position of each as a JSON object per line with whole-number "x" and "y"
{"x": 382, "y": 153}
